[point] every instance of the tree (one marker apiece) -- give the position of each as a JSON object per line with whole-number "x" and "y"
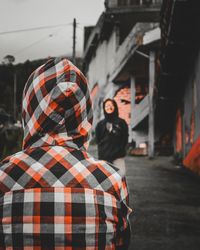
{"x": 9, "y": 59}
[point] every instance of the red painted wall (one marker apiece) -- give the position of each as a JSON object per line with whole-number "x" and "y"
{"x": 192, "y": 160}
{"x": 123, "y": 99}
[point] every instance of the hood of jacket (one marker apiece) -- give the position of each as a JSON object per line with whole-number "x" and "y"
{"x": 56, "y": 107}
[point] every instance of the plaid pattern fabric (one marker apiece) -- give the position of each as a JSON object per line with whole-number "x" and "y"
{"x": 53, "y": 194}
{"x": 56, "y": 106}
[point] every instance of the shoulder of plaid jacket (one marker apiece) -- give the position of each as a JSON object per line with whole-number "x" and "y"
{"x": 60, "y": 167}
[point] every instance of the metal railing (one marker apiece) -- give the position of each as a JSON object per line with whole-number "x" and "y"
{"x": 121, "y": 3}
{"x": 128, "y": 47}
{"x": 140, "y": 111}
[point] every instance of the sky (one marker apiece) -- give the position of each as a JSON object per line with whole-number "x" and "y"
{"x": 55, "y": 41}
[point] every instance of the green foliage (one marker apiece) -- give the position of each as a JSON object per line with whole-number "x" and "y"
{"x": 23, "y": 71}
{"x": 11, "y": 139}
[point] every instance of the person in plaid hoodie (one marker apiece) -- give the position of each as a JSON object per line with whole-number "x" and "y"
{"x": 53, "y": 194}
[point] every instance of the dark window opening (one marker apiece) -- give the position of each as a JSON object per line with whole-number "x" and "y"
{"x": 134, "y": 2}
{"x": 122, "y": 2}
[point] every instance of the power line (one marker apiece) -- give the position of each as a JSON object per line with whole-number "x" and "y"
{"x": 33, "y": 29}
{"x": 38, "y": 41}
{"x": 31, "y": 45}
{"x": 74, "y": 24}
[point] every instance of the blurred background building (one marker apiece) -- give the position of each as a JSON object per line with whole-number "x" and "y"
{"x": 120, "y": 61}
{"x": 144, "y": 54}
{"x": 179, "y": 85}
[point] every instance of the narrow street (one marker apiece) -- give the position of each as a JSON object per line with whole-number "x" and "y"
{"x": 166, "y": 200}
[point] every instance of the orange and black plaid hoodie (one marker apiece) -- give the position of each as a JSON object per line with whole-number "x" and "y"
{"x": 53, "y": 194}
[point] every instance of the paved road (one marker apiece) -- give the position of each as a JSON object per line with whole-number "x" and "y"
{"x": 166, "y": 200}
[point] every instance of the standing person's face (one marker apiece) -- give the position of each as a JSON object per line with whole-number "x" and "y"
{"x": 109, "y": 107}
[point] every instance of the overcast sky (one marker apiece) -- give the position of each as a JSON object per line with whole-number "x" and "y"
{"x": 26, "y": 14}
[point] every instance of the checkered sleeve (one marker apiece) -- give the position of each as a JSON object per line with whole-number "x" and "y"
{"x": 124, "y": 231}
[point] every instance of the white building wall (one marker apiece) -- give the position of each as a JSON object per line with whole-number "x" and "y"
{"x": 99, "y": 70}
{"x": 102, "y": 62}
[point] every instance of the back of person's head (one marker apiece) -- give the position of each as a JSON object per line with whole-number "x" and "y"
{"x": 56, "y": 106}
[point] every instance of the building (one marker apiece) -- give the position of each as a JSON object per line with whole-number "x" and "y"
{"x": 120, "y": 61}
{"x": 179, "y": 86}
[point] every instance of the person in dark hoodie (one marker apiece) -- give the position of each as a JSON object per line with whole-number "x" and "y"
{"x": 53, "y": 194}
{"x": 112, "y": 136}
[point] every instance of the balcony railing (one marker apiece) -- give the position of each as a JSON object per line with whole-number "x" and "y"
{"x": 121, "y": 3}
{"x": 128, "y": 47}
{"x": 140, "y": 111}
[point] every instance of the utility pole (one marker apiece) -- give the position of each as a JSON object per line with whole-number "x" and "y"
{"x": 15, "y": 96}
{"x": 9, "y": 60}
{"x": 74, "y": 41}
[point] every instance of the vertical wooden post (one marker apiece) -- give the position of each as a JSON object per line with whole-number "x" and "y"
{"x": 151, "y": 104}
{"x": 133, "y": 93}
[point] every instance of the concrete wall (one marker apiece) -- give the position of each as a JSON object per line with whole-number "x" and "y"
{"x": 102, "y": 62}
{"x": 99, "y": 71}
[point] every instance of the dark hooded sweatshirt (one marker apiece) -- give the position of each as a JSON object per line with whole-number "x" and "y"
{"x": 53, "y": 194}
{"x": 111, "y": 135}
